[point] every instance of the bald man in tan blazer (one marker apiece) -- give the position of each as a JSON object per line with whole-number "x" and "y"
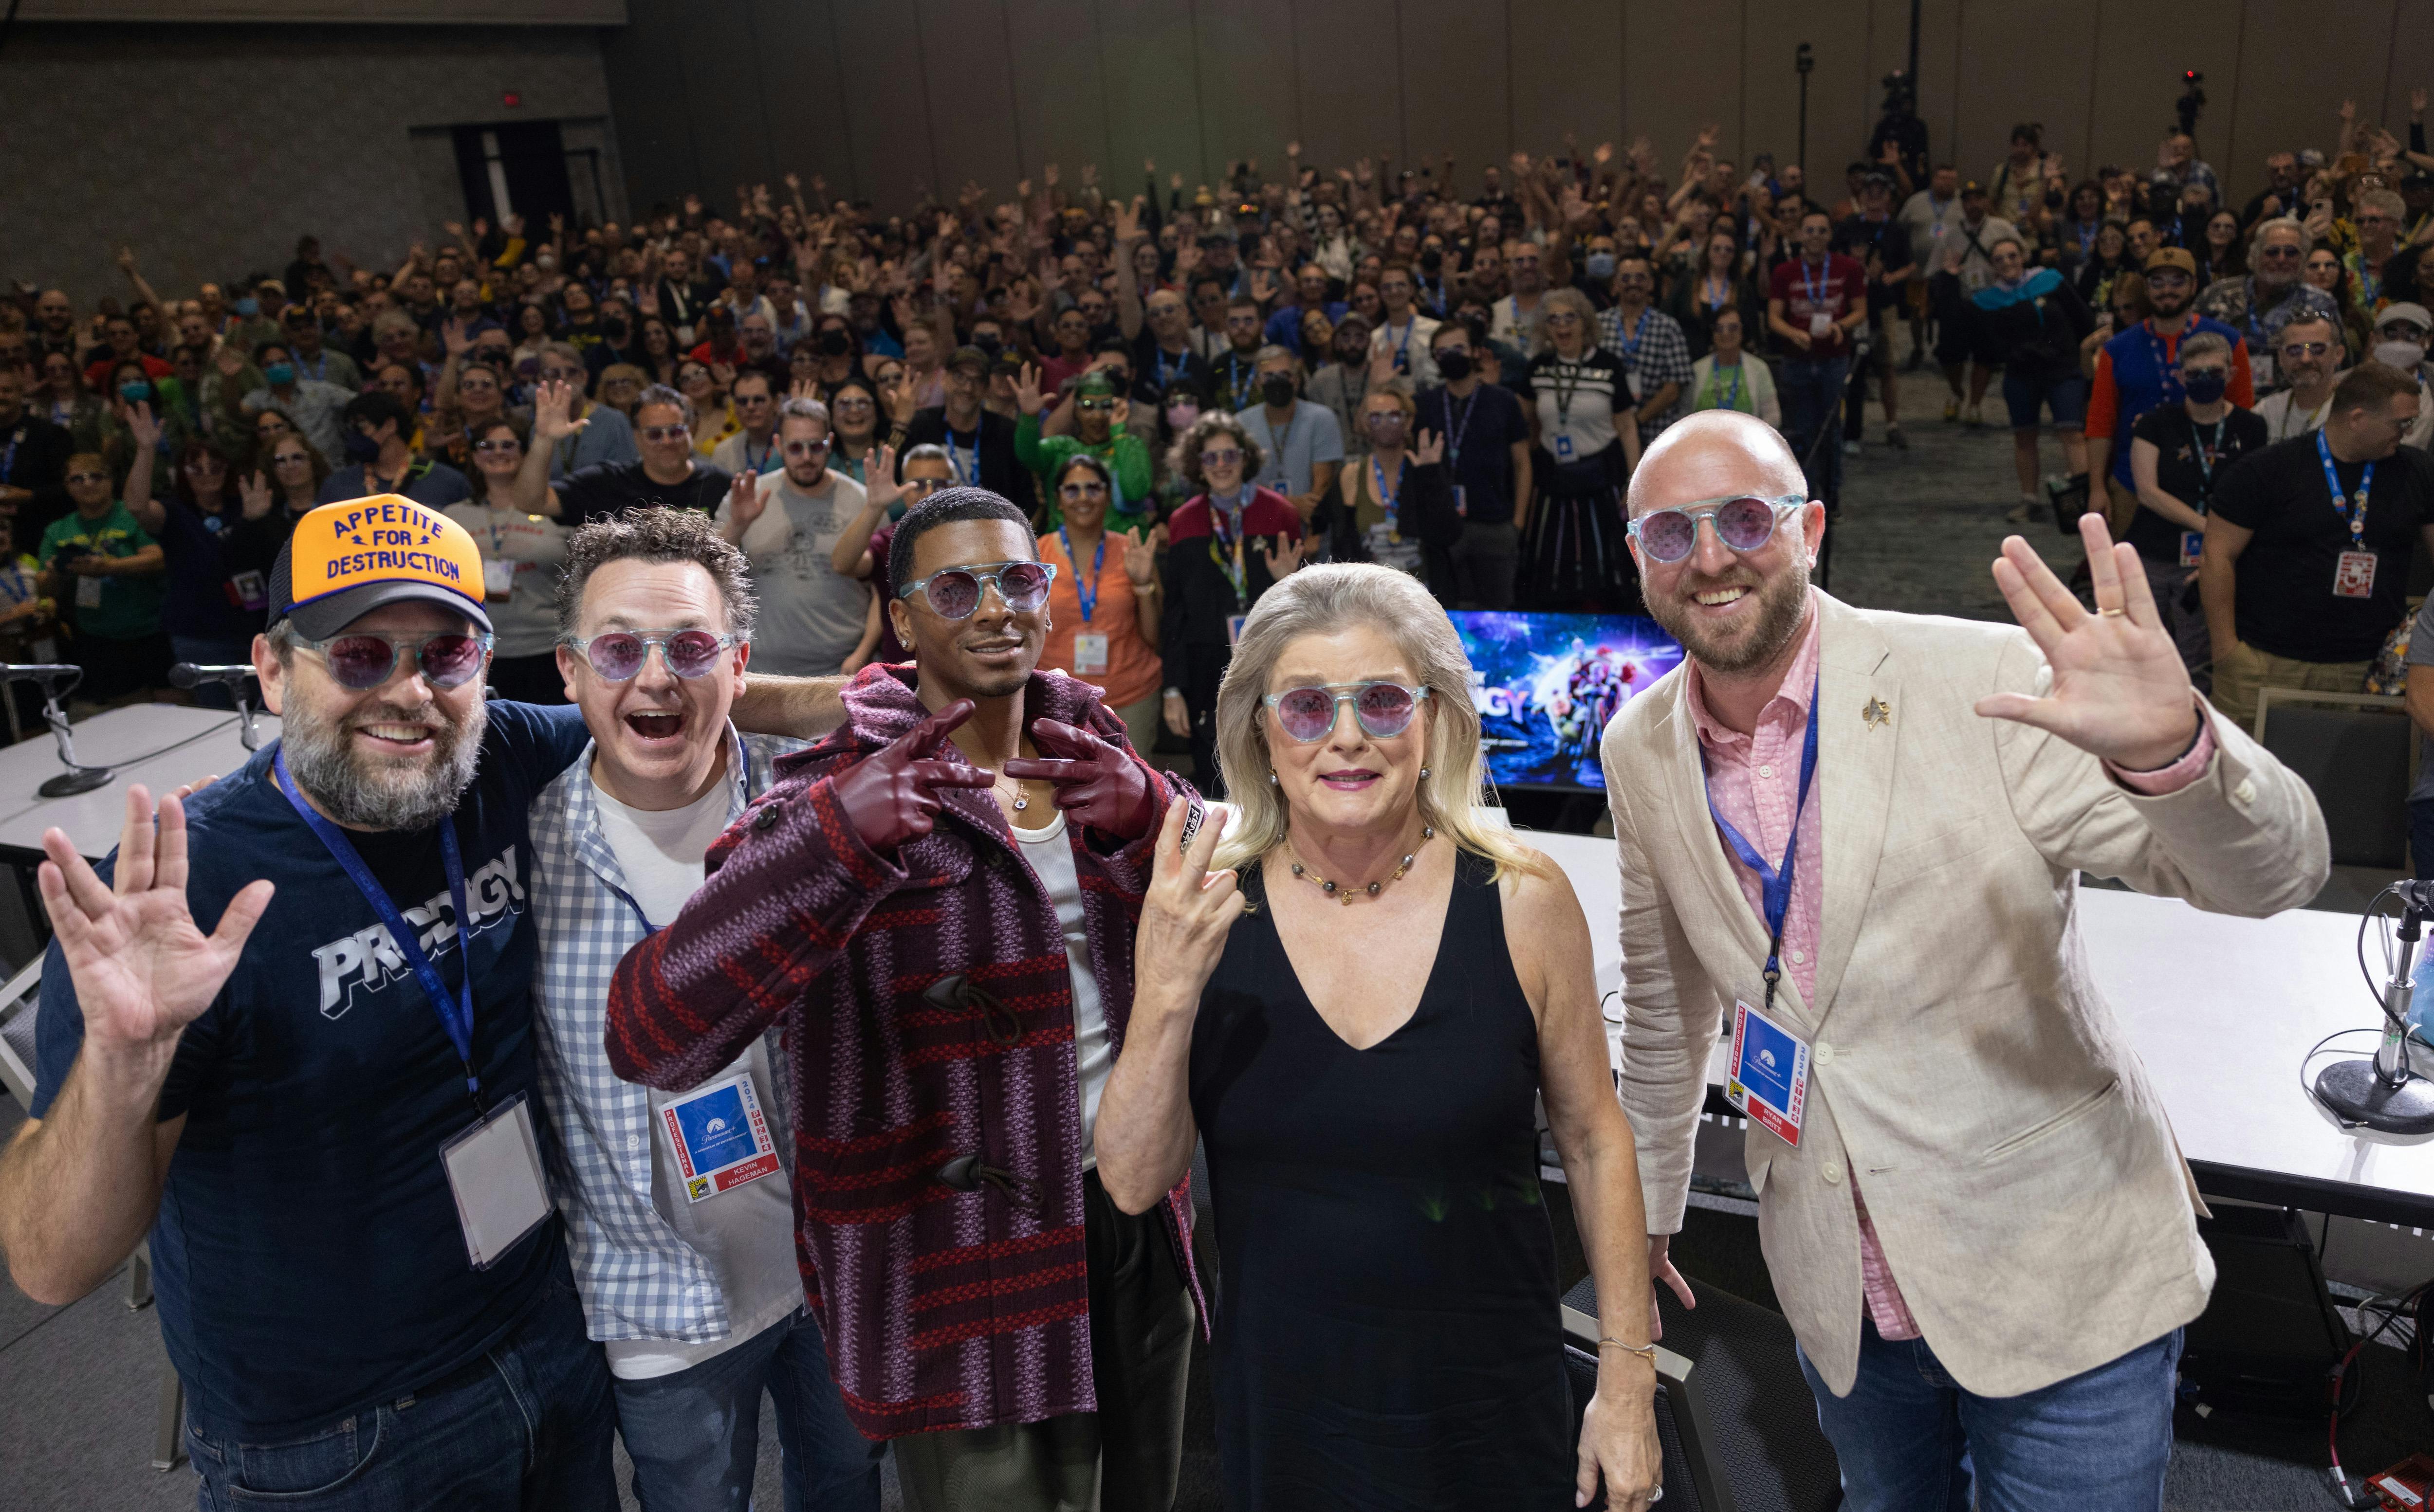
{"x": 1983, "y": 1235}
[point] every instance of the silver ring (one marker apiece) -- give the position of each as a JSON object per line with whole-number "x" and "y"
{"x": 1656, "y": 1495}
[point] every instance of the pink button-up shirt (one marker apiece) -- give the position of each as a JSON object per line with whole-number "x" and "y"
{"x": 1754, "y": 782}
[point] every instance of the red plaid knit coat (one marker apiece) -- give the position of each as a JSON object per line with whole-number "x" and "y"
{"x": 945, "y": 1305}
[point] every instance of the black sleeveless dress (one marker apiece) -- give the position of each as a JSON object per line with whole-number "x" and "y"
{"x": 1387, "y": 1334}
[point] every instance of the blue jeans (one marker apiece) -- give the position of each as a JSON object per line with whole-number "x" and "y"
{"x": 525, "y": 1426}
{"x": 1810, "y": 391}
{"x": 1913, "y": 1440}
{"x": 695, "y": 1435}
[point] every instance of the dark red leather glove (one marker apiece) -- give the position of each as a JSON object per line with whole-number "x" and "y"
{"x": 894, "y": 796}
{"x": 1099, "y": 783}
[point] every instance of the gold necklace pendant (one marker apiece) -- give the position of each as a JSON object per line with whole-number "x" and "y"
{"x": 1346, "y": 893}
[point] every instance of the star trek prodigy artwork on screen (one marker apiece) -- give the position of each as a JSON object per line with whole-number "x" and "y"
{"x": 1545, "y": 686}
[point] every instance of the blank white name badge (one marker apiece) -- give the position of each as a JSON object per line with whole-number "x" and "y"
{"x": 494, "y": 1169}
{"x": 1089, "y": 654}
{"x": 1768, "y": 1075}
{"x": 498, "y": 577}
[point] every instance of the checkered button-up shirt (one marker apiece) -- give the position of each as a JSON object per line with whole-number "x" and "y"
{"x": 640, "y": 1279}
{"x": 1654, "y": 354}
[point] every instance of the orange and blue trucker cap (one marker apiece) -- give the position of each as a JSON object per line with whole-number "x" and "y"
{"x": 345, "y": 560}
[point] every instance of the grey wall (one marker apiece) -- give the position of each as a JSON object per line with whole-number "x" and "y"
{"x": 212, "y": 148}
{"x": 879, "y": 99}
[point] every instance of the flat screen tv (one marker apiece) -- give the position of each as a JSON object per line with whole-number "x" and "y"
{"x": 1545, "y": 686}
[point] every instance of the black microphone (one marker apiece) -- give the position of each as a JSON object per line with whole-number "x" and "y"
{"x": 56, "y": 677}
{"x": 2418, "y": 897}
{"x": 190, "y": 674}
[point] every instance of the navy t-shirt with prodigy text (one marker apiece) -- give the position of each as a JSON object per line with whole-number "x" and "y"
{"x": 307, "y": 1254}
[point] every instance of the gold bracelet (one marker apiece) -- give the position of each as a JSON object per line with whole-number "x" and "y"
{"x": 1646, "y": 1351}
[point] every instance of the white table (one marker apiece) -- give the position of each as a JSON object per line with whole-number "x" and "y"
{"x": 2220, "y": 1011}
{"x": 160, "y": 745}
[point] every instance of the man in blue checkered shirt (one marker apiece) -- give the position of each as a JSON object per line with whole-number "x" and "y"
{"x": 679, "y": 1209}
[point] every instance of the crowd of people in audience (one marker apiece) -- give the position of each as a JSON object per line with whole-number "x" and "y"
{"x": 1453, "y": 374}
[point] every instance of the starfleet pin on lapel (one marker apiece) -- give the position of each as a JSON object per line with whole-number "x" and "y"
{"x": 1877, "y": 712}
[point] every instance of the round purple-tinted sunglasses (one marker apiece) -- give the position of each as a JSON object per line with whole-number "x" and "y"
{"x": 956, "y": 592}
{"x": 1308, "y": 714}
{"x": 1745, "y": 524}
{"x": 617, "y": 655}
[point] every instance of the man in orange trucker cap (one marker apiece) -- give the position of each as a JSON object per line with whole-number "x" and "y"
{"x": 287, "y": 1035}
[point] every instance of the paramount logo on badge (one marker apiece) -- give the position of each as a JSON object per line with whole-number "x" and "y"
{"x": 720, "y": 1138}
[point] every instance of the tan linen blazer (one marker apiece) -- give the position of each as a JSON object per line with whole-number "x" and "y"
{"x": 2020, "y": 1171}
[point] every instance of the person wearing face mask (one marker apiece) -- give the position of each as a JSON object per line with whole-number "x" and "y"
{"x": 1393, "y": 502}
{"x": 380, "y": 459}
{"x": 1179, "y": 407}
{"x": 2400, "y": 339}
{"x": 1227, "y": 545}
{"x": 2177, "y": 455}
{"x": 1300, "y": 440}
{"x": 312, "y": 403}
{"x": 1487, "y": 451}
{"x": 1343, "y": 379}
{"x": 2308, "y": 546}
{"x": 1100, "y": 412}
{"x": 2135, "y": 373}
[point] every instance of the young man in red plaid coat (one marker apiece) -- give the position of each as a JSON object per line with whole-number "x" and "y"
{"x": 937, "y": 905}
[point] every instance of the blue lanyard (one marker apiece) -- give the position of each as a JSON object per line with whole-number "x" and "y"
{"x": 1393, "y": 502}
{"x": 2172, "y": 383}
{"x": 1454, "y": 432}
{"x": 1734, "y": 400}
{"x": 1090, "y": 598}
{"x": 952, "y": 466}
{"x": 1166, "y": 374}
{"x": 756, "y": 468}
{"x": 320, "y": 368}
{"x": 9, "y": 458}
{"x": 1638, "y": 329}
{"x": 456, "y": 1013}
{"x": 1816, "y": 289}
{"x": 1403, "y": 348}
{"x": 1774, "y": 883}
{"x": 2352, "y": 509}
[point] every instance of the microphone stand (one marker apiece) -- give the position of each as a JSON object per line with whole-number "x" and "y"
{"x": 2382, "y": 1092}
{"x": 56, "y": 679}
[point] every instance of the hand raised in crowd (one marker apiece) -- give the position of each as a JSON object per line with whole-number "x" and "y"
{"x": 140, "y": 424}
{"x": 254, "y": 495}
{"x": 1140, "y": 555}
{"x": 553, "y": 402}
{"x": 894, "y": 794}
{"x": 143, "y": 969}
{"x": 456, "y": 338}
{"x": 2119, "y": 689}
{"x": 1188, "y": 908}
{"x": 228, "y": 359}
{"x": 881, "y": 493}
{"x": 744, "y": 503}
{"x": 1282, "y": 554}
{"x": 1100, "y": 784}
{"x": 1428, "y": 448}
{"x": 903, "y": 398}
{"x": 1027, "y": 397}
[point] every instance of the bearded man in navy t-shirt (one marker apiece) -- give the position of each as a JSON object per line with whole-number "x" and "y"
{"x": 320, "y": 1113}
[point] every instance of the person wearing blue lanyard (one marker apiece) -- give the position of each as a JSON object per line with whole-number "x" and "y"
{"x": 979, "y": 442}
{"x": 2304, "y": 571}
{"x": 1859, "y": 833}
{"x": 326, "y": 1123}
{"x": 2177, "y": 455}
{"x": 694, "y": 1293}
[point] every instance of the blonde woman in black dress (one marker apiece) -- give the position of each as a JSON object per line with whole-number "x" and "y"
{"x": 1356, "y": 1010}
